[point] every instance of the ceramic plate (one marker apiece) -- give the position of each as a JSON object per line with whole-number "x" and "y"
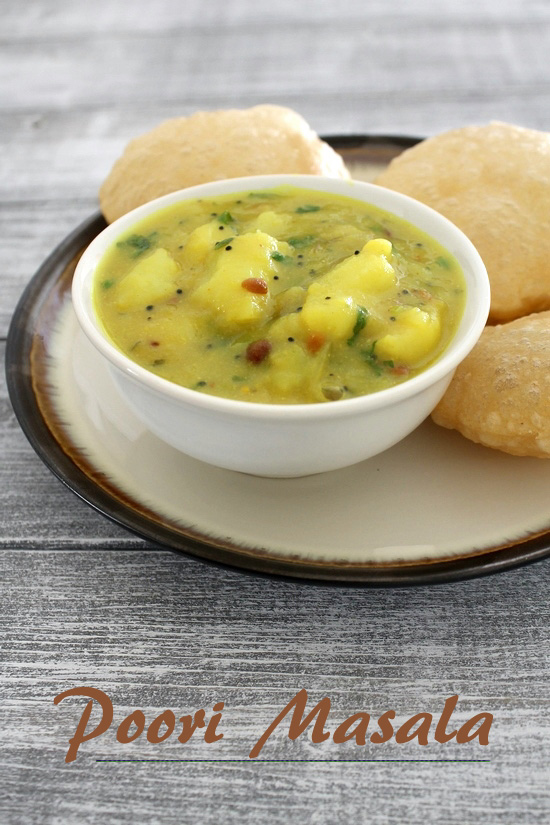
{"x": 434, "y": 508}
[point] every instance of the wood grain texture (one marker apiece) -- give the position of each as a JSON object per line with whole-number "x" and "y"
{"x": 37, "y": 509}
{"x": 157, "y": 631}
{"x": 85, "y": 602}
{"x": 77, "y": 81}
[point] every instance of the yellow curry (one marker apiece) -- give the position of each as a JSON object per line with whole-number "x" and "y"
{"x": 279, "y": 296}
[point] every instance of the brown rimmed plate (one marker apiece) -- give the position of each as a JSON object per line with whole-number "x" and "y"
{"x": 434, "y": 508}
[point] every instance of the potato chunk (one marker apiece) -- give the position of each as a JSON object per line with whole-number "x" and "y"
{"x": 201, "y": 242}
{"x": 285, "y": 327}
{"x": 331, "y": 315}
{"x": 414, "y": 335}
{"x": 229, "y": 294}
{"x": 273, "y": 223}
{"x": 151, "y": 280}
{"x": 291, "y": 368}
{"x": 331, "y": 304}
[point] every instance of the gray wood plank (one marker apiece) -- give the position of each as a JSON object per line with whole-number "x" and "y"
{"x": 157, "y": 631}
{"x": 85, "y": 602}
{"x": 77, "y": 82}
{"x": 36, "y": 509}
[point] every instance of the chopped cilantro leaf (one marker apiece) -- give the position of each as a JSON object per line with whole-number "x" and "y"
{"x": 223, "y": 243}
{"x": 300, "y": 242}
{"x": 278, "y": 256}
{"x": 225, "y": 218}
{"x": 370, "y": 357}
{"x": 308, "y": 207}
{"x": 137, "y": 244}
{"x": 361, "y": 320}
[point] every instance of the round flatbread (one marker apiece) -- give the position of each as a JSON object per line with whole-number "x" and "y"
{"x": 500, "y": 394}
{"x": 494, "y": 183}
{"x": 216, "y": 145}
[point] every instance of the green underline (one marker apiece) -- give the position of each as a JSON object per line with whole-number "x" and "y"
{"x": 295, "y": 761}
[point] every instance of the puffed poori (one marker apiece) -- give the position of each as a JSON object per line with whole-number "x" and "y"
{"x": 493, "y": 182}
{"x": 208, "y": 146}
{"x": 500, "y": 394}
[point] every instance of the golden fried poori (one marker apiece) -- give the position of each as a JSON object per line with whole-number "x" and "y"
{"x": 493, "y": 182}
{"x": 208, "y": 146}
{"x": 500, "y": 394}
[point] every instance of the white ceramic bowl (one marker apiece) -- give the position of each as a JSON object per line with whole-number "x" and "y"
{"x": 276, "y": 439}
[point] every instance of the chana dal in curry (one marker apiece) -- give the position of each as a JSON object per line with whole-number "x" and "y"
{"x": 279, "y": 296}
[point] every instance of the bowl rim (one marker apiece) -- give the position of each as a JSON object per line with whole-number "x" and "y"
{"x": 460, "y": 345}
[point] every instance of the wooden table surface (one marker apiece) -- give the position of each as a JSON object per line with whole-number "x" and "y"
{"x": 86, "y": 603}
